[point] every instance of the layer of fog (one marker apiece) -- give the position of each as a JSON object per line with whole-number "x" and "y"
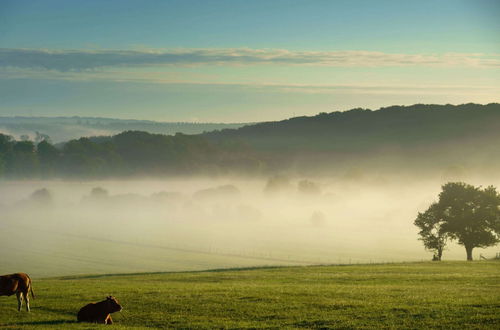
{"x": 59, "y": 134}
{"x": 61, "y": 227}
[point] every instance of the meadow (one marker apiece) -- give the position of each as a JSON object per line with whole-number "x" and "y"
{"x": 447, "y": 295}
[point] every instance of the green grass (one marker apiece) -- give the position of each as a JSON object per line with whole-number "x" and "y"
{"x": 404, "y": 296}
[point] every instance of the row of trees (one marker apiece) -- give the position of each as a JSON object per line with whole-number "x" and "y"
{"x": 128, "y": 153}
{"x": 466, "y": 214}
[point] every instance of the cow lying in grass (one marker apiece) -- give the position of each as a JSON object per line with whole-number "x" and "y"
{"x": 99, "y": 312}
{"x": 18, "y": 283}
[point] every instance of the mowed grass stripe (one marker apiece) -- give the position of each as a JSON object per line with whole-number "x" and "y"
{"x": 407, "y": 295}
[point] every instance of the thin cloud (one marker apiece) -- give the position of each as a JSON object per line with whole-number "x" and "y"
{"x": 374, "y": 88}
{"x": 81, "y": 60}
{"x": 169, "y": 78}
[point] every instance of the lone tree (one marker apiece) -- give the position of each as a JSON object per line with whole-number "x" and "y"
{"x": 431, "y": 231}
{"x": 467, "y": 214}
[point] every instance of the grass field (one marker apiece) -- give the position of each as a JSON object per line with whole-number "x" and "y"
{"x": 407, "y": 295}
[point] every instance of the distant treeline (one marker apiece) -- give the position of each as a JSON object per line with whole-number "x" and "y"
{"x": 413, "y": 137}
{"x": 62, "y": 129}
{"x": 363, "y": 129}
{"x": 125, "y": 154}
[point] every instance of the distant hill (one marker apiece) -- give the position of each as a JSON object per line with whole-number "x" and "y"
{"x": 443, "y": 139}
{"x": 429, "y": 135}
{"x": 61, "y": 129}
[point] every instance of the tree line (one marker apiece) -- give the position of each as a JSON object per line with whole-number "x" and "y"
{"x": 419, "y": 137}
{"x": 127, "y": 153}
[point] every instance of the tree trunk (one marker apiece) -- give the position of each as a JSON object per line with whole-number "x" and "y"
{"x": 440, "y": 253}
{"x": 468, "y": 249}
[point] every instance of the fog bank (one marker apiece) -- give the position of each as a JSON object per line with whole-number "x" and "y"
{"x": 59, "y": 227}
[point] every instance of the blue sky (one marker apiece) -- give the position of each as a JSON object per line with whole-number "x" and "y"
{"x": 233, "y": 60}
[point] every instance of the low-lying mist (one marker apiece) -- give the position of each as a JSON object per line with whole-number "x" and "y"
{"x": 60, "y": 227}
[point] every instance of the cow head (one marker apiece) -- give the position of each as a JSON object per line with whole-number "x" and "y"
{"x": 113, "y": 305}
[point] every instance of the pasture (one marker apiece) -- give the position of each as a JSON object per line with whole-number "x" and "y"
{"x": 404, "y": 295}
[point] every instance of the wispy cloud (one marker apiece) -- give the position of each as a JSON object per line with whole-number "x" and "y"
{"x": 79, "y": 60}
{"x": 197, "y": 81}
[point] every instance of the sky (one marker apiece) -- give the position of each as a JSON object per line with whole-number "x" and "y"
{"x": 243, "y": 61}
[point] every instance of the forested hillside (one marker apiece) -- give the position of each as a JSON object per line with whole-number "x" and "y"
{"x": 128, "y": 153}
{"x": 418, "y": 137}
{"x": 414, "y": 136}
{"x": 360, "y": 129}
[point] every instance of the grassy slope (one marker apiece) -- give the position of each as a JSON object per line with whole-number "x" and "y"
{"x": 413, "y": 295}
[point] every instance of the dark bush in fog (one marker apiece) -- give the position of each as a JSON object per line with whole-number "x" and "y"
{"x": 217, "y": 192}
{"x": 41, "y": 197}
{"x": 102, "y": 197}
{"x": 309, "y": 187}
{"x": 99, "y": 193}
{"x": 277, "y": 183}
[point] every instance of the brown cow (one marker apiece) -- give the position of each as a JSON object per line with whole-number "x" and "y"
{"x": 18, "y": 283}
{"x": 99, "y": 312}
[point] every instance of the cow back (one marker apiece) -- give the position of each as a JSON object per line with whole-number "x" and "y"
{"x": 9, "y": 284}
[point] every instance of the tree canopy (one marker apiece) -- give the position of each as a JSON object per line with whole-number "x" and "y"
{"x": 431, "y": 231}
{"x": 467, "y": 214}
{"x": 128, "y": 153}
